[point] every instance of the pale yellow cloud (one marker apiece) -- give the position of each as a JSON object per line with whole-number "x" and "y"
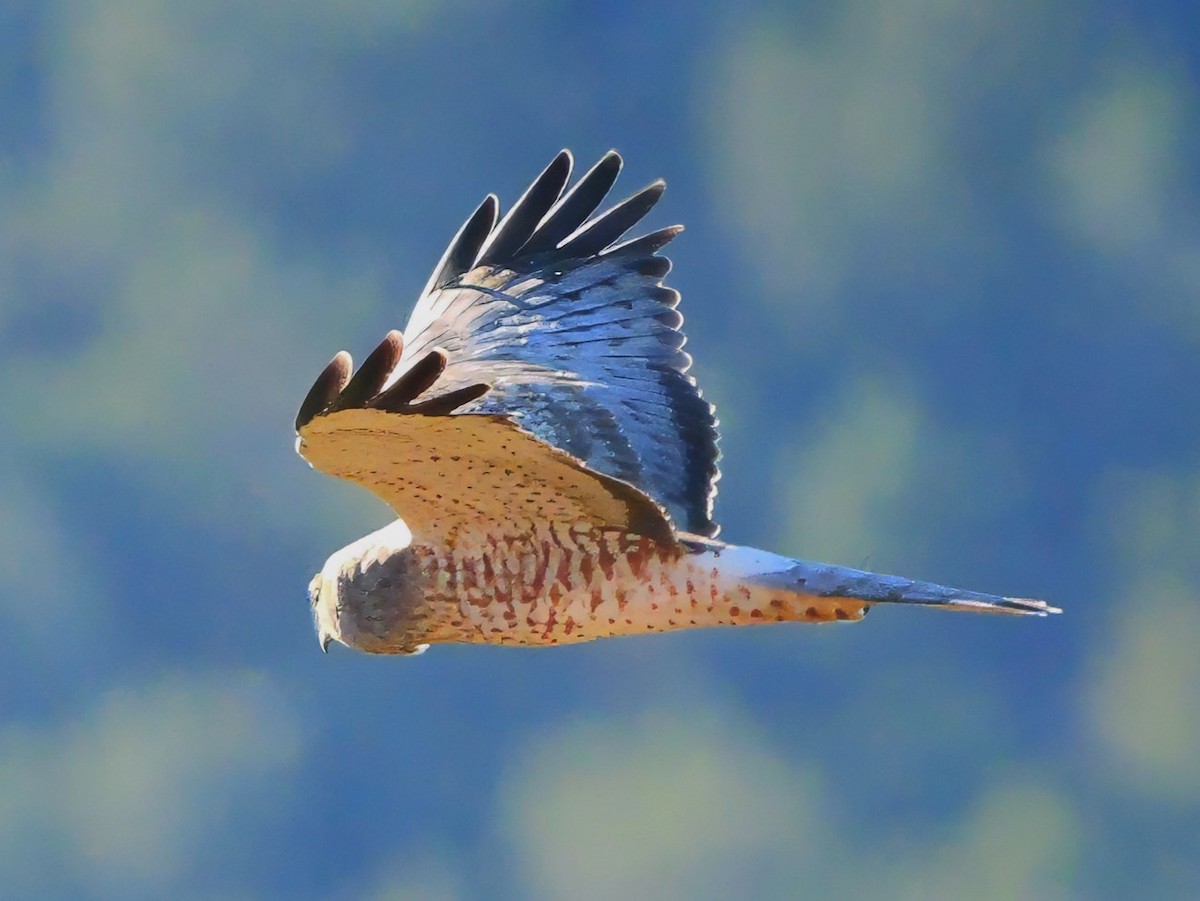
{"x": 420, "y": 876}
{"x": 129, "y": 795}
{"x": 1118, "y": 159}
{"x": 1141, "y": 687}
{"x": 841, "y": 485}
{"x": 694, "y": 803}
{"x": 1020, "y": 839}
{"x": 1118, "y": 182}
{"x": 56, "y": 592}
{"x": 876, "y": 480}
{"x": 189, "y": 329}
{"x": 674, "y": 803}
{"x": 834, "y": 136}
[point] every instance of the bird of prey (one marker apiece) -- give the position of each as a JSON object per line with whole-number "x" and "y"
{"x": 552, "y": 464}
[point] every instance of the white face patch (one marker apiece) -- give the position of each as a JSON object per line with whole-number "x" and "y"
{"x": 322, "y": 598}
{"x": 323, "y": 590}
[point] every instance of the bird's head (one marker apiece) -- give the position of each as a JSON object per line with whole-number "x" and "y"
{"x": 322, "y": 598}
{"x": 362, "y": 596}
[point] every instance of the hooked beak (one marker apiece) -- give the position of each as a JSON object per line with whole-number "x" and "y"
{"x": 324, "y": 640}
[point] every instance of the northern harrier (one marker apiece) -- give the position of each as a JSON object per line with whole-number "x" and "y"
{"x": 553, "y": 464}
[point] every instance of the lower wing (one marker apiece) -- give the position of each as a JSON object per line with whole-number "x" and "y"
{"x": 443, "y": 471}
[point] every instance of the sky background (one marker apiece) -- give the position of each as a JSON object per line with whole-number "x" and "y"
{"x": 942, "y": 279}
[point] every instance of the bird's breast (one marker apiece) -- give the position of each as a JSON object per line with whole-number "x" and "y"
{"x": 557, "y": 584}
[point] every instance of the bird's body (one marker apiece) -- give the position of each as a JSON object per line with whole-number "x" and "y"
{"x": 552, "y": 464}
{"x": 555, "y": 584}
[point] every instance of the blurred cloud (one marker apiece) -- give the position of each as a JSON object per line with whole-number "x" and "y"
{"x": 1020, "y": 839}
{"x": 1119, "y": 182}
{"x": 694, "y": 803}
{"x": 1143, "y": 681}
{"x": 134, "y": 793}
{"x": 56, "y": 592}
{"x": 151, "y": 317}
{"x": 671, "y": 804}
{"x": 172, "y": 282}
{"x": 1143, "y": 689}
{"x": 193, "y": 363}
{"x": 841, "y": 487}
{"x": 1117, "y": 160}
{"x": 836, "y": 133}
{"x": 419, "y": 877}
{"x": 879, "y": 476}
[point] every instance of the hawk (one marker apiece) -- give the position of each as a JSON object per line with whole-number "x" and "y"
{"x": 553, "y": 464}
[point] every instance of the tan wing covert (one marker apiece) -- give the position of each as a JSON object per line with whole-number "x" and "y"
{"x": 446, "y": 474}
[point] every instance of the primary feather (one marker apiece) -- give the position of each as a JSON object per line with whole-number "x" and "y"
{"x": 577, "y": 337}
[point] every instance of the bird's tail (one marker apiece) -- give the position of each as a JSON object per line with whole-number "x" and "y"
{"x": 828, "y": 582}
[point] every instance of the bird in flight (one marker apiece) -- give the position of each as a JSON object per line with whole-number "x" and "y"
{"x": 552, "y": 464}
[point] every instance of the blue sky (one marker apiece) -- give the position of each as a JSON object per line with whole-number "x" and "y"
{"x": 942, "y": 279}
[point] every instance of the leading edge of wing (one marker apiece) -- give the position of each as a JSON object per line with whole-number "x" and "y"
{"x": 440, "y": 470}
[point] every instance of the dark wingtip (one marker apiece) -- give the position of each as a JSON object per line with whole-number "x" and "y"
{"x": 418, "y": 379}
{"x": 598, "y": 234}
{"x": 646, "y": 244}
{"x": 447, "y": 403}
{"x": 372, "y": 373}
{"x": 574, "y": 207}
{"x": 325, "y": 389}
{"x": 519, "y": 224}
{"x": 465, "y": 246}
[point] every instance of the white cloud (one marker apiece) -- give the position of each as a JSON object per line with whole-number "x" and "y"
{"x": 130, "y": 795}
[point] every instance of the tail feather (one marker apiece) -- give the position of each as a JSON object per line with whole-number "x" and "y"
{"x": 825, "y": 580}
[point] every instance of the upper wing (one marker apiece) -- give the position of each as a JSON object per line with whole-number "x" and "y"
{"x": 576, "y": 335}
{"x": 445, "y": 473}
